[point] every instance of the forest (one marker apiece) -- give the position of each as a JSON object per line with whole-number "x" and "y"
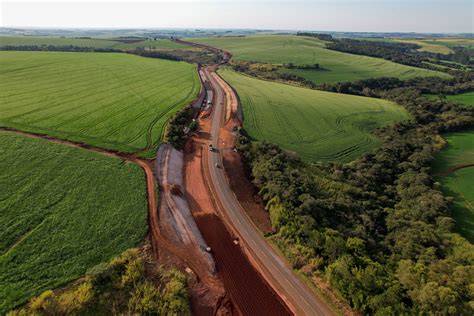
{"x": 379, "y": 230}
{"x": 402, "y": 53}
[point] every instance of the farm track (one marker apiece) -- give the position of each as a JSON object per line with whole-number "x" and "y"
{"x": 453, "y": 169}
{"x": 157, "y": 240}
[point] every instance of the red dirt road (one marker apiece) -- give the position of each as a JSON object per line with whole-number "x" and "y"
{"x": 248, "y": 292}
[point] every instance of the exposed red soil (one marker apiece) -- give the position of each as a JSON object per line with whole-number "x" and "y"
{"x": 239, "y": 182}
{"x": 206, "y": 290}
{"x": 248, "y": 293}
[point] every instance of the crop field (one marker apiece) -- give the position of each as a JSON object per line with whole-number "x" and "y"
{"x": 159, "y": 44}
{"x": 318, "y": 125}
{"x": 111, "y": 100}
{"x": 453, "y": 42}
{"x": 62, "y": 211}
{"x": 458, "y": 183}
{"x": 462, "y": 98}
{"x": 336, "y": 66}
{"x": 428, "y": 46}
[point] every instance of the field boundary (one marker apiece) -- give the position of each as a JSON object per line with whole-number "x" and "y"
{"x": 153, "y": 225}
{"x": 452, "y": 169}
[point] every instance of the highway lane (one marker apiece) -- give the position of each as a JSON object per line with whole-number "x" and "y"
{"x": 297, "y": 295}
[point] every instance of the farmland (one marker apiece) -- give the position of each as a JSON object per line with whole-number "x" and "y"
{"x": 458, "y": 183}
{"x": 104, "y": 43}
{"x": 63, "y": 210}
{"x": 462, "y": 98}
{"x": 428, "y": 46}
{"x": 111, "y": 100}
{"x": 453, "y": 42}
{"x": 319, "y": 126}
{"x": 335, "y": 66}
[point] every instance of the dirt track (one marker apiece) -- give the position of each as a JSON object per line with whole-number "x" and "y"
{"x": 208, "y": 289}
{"x": 453, "y": 169}
{"x": 247, "y": 290}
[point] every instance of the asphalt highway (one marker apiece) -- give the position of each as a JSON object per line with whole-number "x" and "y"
{"x": 293, "y": 291}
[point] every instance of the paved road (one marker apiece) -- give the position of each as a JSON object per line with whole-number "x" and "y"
{"x": 299, "y": 298}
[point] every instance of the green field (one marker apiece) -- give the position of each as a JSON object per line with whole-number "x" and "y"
{"x": 111, "y": 100}
{"x": 427, "y": 46}
{"x": 458, "y": 184}
{"x": 62, "y": 211}
{"x": 451, "y": 42}
{"x": 318, "y": 125}
{"x": 337, "y": 66}
{"x": 160, "y": 44}
{"x": 462, "y": 98}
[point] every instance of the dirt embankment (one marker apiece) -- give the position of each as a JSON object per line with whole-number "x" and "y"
{"x": 207, "y": 293}
{"x": 245, "y": 191}
{"x": 249, "y": 294}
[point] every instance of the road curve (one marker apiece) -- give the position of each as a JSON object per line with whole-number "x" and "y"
{"x": 298, "y": 296}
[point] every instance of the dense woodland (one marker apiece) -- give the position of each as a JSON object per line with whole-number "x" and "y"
{"x": 402, "y": 53}
{"x": 379, "y": 230}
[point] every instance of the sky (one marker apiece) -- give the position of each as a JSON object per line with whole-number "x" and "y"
{"x": 448, "y": 16}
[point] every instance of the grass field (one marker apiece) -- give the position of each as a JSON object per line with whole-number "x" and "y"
{"x": 160, "y": 44}
{"x": 337, "y": 66}
{"x": 453, "y": 42}
{"x": 459, "y": 184}
{"x": 427, "y": 46}
{"x": 62, "y": 210}
{"x": 462, "y": 98}
{"x": 319, "y": 126}
{"x": 116, "y": 101}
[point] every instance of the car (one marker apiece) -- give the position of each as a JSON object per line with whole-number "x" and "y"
{"x": 216, "y": 165}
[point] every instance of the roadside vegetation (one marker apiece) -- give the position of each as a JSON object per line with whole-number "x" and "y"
{"x": 115, "y": 101}
{"x": 379, "y": 229}
{"x": 317, "y": 125}
{"x": 130, "y": 284}
{"x": 62, "y": 211}
{"x": 334, "y": 66}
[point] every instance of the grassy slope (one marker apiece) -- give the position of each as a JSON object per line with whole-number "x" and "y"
{"x": 462, "y": 98}
{"x": 453, "y": 42}
{"x": 427, "y": 46}
{"x": 459, "y": 184}
{"x": 111, "y": 100}
{"x": 319, "y": 126}
{"x": 62, "y": 210}
{"x": 164, "y": 44}
{"x": 300, "y": 50}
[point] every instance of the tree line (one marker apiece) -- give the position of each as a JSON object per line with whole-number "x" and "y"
{"x": 191, "y": 56}
{"x": 379, "y": 229}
